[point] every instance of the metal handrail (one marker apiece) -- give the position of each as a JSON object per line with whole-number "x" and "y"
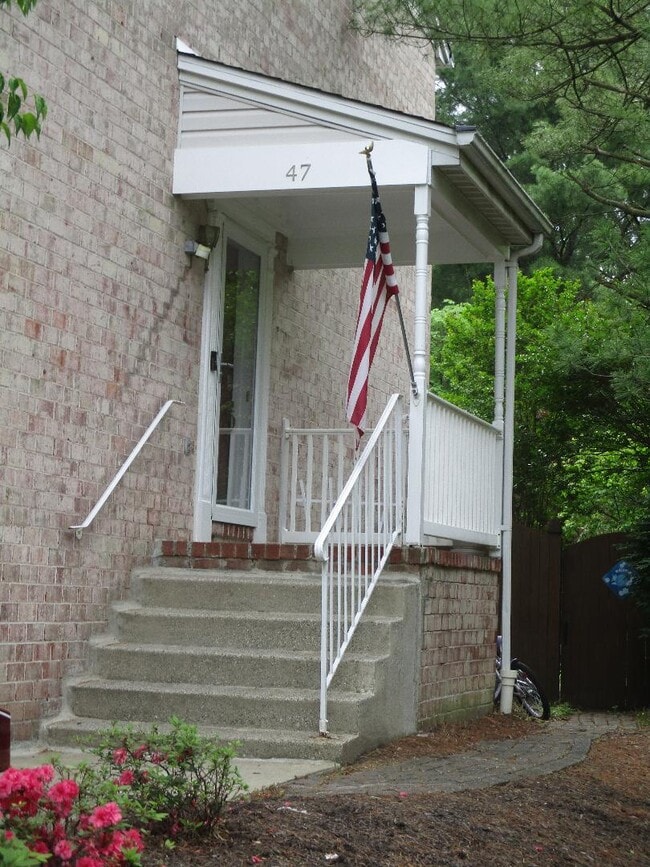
{"x": 79, "y": 528}
{"x": 356, "y": 540}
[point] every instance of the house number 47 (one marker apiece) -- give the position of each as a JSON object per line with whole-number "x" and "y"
{"x": 298, "y": 173}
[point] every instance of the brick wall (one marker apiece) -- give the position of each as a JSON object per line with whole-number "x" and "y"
{"x": 459, "y": 626}
{"x": 100, "y": 315}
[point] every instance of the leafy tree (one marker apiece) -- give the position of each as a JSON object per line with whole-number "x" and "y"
{"x": 560, "y": 91}
{"x": 583, "y": 65}
{"x": 14, "y": 93}
{"x": 574, "y": 459}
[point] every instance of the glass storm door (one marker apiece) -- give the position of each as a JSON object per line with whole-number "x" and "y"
{"x": 236, "y": 366}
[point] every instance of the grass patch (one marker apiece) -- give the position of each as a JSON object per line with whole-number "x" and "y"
{"x": 562, "y": 710}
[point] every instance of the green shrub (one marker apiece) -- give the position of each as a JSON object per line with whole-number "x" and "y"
{"x": 174, "y": 783}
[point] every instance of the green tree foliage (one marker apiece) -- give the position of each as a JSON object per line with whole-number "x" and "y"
{"x": 14, "y": 93}
{"x": 583, "y": 65}
{"x": 560, "y": 91}
{"x": 579, "y": 459}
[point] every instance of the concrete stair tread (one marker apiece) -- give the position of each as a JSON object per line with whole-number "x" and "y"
{"x": 255, "y": 742}
{"x": 251, "y": 576}
{"x": 274, "y": 616}
{"x": 109, "y": 644}
{"x": 202, "y": 689}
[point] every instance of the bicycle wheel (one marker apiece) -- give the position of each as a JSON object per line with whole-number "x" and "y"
{"x": 528, "y": 693}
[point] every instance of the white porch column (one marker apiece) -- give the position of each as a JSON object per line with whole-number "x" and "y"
{"x": 415, "y": 492}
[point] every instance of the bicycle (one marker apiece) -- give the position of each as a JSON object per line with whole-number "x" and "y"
{"x": 527, "y": 693}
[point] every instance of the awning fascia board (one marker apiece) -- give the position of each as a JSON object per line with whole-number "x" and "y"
{"x": 296, "y": 168}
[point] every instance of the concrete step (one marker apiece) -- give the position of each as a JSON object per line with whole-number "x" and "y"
{"x": 261, "y": 743}
{"x": 222, "y": 590}
{"x": 137, "y": 624}
{"x": 219, "y": 706}
{"x": 238, "y": 655}
{"x": 250, "y": 667}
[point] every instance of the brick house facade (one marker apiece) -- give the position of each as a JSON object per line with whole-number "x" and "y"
{"x": 101, "y": 310}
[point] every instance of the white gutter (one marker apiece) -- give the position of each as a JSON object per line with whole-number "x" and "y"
{"x": 508, "y": 676}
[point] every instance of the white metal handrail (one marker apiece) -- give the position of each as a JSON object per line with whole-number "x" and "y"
{"x": 462, "y": 487}
{"x": 79, "y": 528}
{"x": 356, "y": 541}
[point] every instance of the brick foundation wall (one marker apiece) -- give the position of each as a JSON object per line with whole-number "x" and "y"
{"x": 460, "y": 617}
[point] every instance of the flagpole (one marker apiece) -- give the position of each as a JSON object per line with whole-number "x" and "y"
{"x": 414, "y": 388}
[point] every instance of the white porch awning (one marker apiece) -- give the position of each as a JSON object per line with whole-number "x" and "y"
{"x": 288, "y": 156}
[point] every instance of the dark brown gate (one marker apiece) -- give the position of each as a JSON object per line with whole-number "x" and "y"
{"x": 536, "y": 563}
{"x": 604, "y": 662}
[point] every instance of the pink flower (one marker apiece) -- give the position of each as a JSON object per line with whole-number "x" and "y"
{"x": 63, "y": 850}
{"x": 105, "y": 815}
{"x": 140, "y": 751}
{"x": 132, "y": 839}
{"x": 120, "y": 756}
{"x": 157, "y": 758}
{"x": 126, "y": 778}
{"x": 88, "y": 862}
{"x": 62, "y": 796}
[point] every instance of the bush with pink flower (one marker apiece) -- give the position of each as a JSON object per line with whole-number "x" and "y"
{"x": 177, "y": 780}
{"x": 47, "y": 819}
{"x": 173, "y": 783}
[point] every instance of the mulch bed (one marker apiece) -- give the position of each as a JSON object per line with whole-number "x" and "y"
{"x": 596, "y": 813}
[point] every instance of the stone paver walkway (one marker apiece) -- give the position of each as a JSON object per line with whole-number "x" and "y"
{"x": 560, "y": 744}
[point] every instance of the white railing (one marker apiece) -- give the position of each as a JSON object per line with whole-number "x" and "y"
{"x": 314, "y": 464}
{"x": 356, "y": 540}
{"x": 90, "y": 517}
{"x": 462, "y": 478}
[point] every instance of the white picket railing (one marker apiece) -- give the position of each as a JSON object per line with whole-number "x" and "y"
{"x": 356, "y": 540}
{"x": 314, "y": 465}
{"x": 462, "y": 478}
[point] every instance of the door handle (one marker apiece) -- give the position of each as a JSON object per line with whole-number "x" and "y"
{"x": 214, "y": 361}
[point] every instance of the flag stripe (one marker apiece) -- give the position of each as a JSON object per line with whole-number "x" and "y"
{"x": 378, "y": 285}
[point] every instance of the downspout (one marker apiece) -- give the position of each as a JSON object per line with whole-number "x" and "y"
{"x": 512, "y": 268}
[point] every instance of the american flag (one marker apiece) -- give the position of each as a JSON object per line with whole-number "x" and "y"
{"x": 377, "y": 287}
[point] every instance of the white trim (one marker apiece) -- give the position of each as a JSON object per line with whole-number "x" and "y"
{"x": 184, "y": 48}
{"x": 226, "y": 171}
{"x": 204, "y": 473}
{"x": 206, "y": 510}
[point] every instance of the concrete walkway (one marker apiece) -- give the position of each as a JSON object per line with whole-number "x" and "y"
{"x": 256, "y": 773}
{"x": 562, "y": 743}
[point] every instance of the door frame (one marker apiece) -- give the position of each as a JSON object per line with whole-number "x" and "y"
{"x": 205, "y": 509}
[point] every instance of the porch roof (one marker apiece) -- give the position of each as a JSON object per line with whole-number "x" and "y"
{"x": 287, "y": 157}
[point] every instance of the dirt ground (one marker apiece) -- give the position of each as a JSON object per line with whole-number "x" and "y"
{"x": 595, "y": 813}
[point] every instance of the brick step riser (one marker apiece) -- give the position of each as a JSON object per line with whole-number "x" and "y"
{"x": 107, "y": 702}
{"x": 140, "y": 664}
